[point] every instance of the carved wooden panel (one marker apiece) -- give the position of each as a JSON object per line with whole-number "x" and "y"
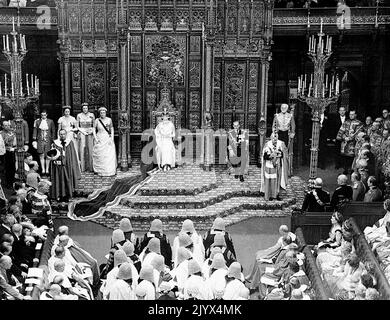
{"x": 165, "y": 59}
{"x": 195, "y": 44}
{"x": 217, "y": 75}
{"x": 135, "y": 74}
{"x": 194, "y": 122}
{"x": 135, "y": 44}
{"x": 136, "y": 121}
{"x": 166, "y": 17}
{"x": 73, "y": 20}
{"x": 99, "y": 16}
{"x": 180, "y": 100}
{"x": 252, "y": 122}
{"x": 134, "y": 19}
{"x": 253, "y": 75}
{"x": 114, "y": 100}
{"x": 258, "y": 17}
{"x": 100, "y": 45}
{"x": 217, "y": 101}
{"x": 151, "y": 100}
{"x": 111, "y": 19}
{"x": 87, "y": 46}
{"x": 86, "y": 19}
{"x": 234, "y": 85}
{"x": 76, "y": 100}
{"x": 194, "y": 73}
{"x": 136, "y": 101}
{"x": 252, "y": 103}
{"x": 95, "y": 83}
{"x": 195, "y": 101}
{"x": 113, "y": 74}
{"x": 76, "y": 75}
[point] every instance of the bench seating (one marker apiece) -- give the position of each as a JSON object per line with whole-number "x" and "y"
{"x": 321, "y": 288}
{"x": 316, "y": 225}
{"x": 43, "y": 262}
{"x": 364, "y": 251}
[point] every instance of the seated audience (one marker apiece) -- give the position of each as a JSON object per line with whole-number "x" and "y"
{"x": 373, "y": 193}
{"x": 122, "y": 287}
{"x": 342, "y": 194}
{"x": 198, "y": 250}
{"x": 316, "y": 199}
{"x": 6, "y": 289}
{"x": 217, "y": 228}
{"x": 156, "y": 231}
{"x": 359, "y": 189}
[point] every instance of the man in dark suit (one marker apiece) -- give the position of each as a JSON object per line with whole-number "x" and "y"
{"x": 343, "y": 192}
{"x": 5, "y": 115}
{"x": 7, "y": 221}
{"x": 316, "y": 199}
{"x": 373, "y": 194}
{"x": 334, "y": 126}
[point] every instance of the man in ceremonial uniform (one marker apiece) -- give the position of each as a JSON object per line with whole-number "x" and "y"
{"x": 368, "y": 124}
{"x": 274, "y": 168}
{"x": 43, "y": 135}
{"x": 375, "y": 138}
{"x": 65, "y": 169}
{"x": 386, "y": 119}
{"x": 347, "y": 134}
{"x": 284, "y": 124}
{"x": 239, "y": 150}
{"x": 316, "y": 199}
{"x": 343, "y": 192}
{"x": 335, "y": 124}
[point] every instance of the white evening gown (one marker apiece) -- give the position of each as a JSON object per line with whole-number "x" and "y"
{"x": 104, "y": 153}
{"x": 165, "y": 149}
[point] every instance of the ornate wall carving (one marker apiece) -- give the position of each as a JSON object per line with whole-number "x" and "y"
{"x": 194, "y": 74}
{"x": 135, "y": 74}
{"x": 76, "y": 75}
{"x": 234, "y": 85}
{"x": 95, "y": 83}
{"x": 150, "y": 100}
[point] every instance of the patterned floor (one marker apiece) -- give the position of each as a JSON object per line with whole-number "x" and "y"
{"x": 191, "y": 192}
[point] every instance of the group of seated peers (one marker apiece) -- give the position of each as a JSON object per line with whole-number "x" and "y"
{"x": 347, "y": 275}
{"x": 25, "y": 218}
{"x": 278, "y": 272}
{"x": 319, "y": 200}
{"x": 192, "y": 268}
{"x": 378, "y": 237}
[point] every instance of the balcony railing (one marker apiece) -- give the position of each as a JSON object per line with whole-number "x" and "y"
{"x": 43, "y": 17}
{"x": 285, "y": 17}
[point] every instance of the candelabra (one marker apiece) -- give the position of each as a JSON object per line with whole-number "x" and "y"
{"x": 320, "y": 92}
{"x": 19, "y": 97}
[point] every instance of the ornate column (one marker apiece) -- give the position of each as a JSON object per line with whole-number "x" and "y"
{"x": 262, "y": 107}
{"x": 208, "y": 94}
{"x": 63, "y": 54}
{"x": 123, "y": 112}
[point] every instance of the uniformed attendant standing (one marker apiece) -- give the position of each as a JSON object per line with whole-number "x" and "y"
{"x": 316, "y": 199}
{"x": 343, "y": 193}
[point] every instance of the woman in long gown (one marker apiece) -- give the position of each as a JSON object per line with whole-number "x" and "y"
{"x": 165, "y": 149}
{"x": 69, "y": 124}
{"x": 104, "y": 153}
{"x": 85, "y": 121}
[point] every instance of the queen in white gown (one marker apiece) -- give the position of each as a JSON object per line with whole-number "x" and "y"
{"x": 165, "y": 149}
{"x": 104, "y": 153}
